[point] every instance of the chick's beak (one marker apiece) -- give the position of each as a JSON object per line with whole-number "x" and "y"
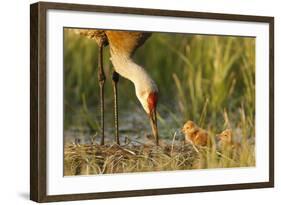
{"x": 183, "y": 130}
{"x": 153, "y": 123}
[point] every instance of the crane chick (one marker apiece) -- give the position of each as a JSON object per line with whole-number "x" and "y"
{"x": 195, "y": 134}
{"x": 226, "y": 140}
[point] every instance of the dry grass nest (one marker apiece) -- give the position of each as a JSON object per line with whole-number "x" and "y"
{"x": 85, "y": 159}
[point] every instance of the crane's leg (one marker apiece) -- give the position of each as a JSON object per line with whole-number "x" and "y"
{"x": 115, "y": 79}
{"x": 101, "y": 79}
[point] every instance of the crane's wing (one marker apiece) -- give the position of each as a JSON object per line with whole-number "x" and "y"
{"x": 98, "y": 35}
{"x": 126, "y": 42}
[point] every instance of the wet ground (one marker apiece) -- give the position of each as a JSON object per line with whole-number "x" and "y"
{"x": 132, "y": 125}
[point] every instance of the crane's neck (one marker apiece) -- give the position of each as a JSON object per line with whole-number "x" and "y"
{"x": 126, "y": 67}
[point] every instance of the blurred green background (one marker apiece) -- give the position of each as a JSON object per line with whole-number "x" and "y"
{"x": 207, "y": 79}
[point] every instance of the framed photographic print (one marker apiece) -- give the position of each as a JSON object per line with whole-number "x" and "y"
{"x": 134, "y": 102}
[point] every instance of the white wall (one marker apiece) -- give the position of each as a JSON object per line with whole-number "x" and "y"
{"x": 14, "y": 100}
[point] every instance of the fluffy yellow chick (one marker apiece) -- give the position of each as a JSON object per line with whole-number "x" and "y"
{"x": 195, "y": 134}
{"x": 226, "y": 139}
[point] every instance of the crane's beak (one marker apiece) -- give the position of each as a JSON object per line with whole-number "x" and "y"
{"x": 153, "y": 123}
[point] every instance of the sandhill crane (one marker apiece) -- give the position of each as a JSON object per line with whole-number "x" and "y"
{"x": 122, "y": 46}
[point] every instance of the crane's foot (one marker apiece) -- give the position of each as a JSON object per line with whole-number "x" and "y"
{"x": 101, "y": 79}
{"x": 115, "y": 79}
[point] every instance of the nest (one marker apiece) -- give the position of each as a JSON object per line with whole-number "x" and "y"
{"x": 85, "y": 159}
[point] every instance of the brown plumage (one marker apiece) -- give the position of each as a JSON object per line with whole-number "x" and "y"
{"x": 98, "y": 35}
{"x": 126, "y": 42}
{"x": 195, "y": 134}
{"x": 120, "y": 41}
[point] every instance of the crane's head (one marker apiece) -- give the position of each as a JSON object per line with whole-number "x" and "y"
{"x": 145, "y": 88}
{"x": 148, "y": 97}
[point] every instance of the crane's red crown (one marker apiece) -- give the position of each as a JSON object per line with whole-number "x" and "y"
{"x": 152, "y": 101}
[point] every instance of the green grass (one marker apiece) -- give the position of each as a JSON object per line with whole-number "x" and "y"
{"x": 207, "y": 79}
